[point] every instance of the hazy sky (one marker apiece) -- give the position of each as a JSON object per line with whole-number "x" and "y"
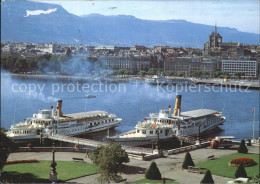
{"x": 240, "y": 14}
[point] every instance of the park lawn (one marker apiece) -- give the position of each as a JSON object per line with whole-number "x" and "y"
{"x": 66, "y": 169}
{"x": 154, "y": 181}
{"x": 220, "y": 165}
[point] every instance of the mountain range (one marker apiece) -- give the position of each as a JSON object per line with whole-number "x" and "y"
{"x": 26, "y": 21}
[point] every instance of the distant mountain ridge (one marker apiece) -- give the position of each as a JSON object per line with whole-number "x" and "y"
{"x": 60, "y": 26}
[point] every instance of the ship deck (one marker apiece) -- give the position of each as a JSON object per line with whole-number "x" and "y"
{"x": 199, "y": 113}
{"x": 81, "y": 115}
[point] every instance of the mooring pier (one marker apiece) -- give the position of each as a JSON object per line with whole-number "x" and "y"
{"x": 94, "y": 143}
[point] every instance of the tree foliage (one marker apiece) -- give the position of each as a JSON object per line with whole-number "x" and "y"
{"x": 242, "y": 147}
{"x": 142, "y": 73}
{"x": 153, "y": 172}
{"x": 109, "y": 160}
{"x": 7, "y": 146}
{"x": 187, "y": 161}
{"x": 240, "y": 172}
{"x": 122, "y": 72}
{"x": 152, "y": 71}
{"x": 207, "y": 179}
{"x": 170, "y": 73}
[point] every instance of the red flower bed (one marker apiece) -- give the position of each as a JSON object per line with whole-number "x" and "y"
{"x": 21, "y": 161}
{"x": 245, "y": 161}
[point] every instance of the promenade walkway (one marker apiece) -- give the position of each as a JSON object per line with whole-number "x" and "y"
{"x": 170, "y": 166}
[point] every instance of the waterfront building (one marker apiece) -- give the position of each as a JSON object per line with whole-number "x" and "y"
{"x": 44, "y": 48}
{"x": 248, "y": 67}
{"x": 112, "y": 48}
{"x": 189, "y": 65}
{"x": 129, "y": 62}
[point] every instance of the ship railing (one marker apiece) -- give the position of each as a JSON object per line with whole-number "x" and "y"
{"x": 94, "y": 143}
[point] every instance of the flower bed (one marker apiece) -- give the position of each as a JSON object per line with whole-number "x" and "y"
{"x": 21, "y": 161}
{"x": 245, "y": 161}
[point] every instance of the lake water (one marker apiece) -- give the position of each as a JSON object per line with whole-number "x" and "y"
{"x": 130, "y": 101}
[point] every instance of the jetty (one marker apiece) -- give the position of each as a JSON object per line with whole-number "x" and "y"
{"x": 93, "y": 143}
{"x": 230, "y": 83}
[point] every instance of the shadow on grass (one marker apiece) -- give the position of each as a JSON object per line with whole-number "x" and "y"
{"x": 127, "y": 169}
{"x": 16, "y": 177}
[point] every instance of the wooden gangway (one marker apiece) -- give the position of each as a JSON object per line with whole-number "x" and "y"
{"x": 94, "y": 143}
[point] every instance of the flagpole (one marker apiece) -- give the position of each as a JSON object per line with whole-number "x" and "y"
{"x": 254, "y": 124}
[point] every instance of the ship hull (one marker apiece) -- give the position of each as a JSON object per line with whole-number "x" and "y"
{"x": 141, "y": 141}
{"x": 30, "y": 138}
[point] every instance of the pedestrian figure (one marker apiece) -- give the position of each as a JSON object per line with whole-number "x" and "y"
{"x": 163, "y": 180}
{"x": 86, "y": 153}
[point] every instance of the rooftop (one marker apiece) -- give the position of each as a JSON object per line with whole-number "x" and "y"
{"x": 85, "y": 114}
{"x": 198, "y": 113}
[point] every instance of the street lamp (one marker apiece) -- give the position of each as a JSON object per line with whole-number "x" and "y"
{"x": 157, "y": 140}
{"x": 53, "y": 173}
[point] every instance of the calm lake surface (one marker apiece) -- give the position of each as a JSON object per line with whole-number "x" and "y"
{"x": 130, "y": 101}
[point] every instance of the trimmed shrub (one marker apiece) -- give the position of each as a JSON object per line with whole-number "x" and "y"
{"x": 245, "y": 161}
{"x": 207, "y": 178}
{"x": 21, "y": 161}
{"x": 153, "y": 172}
{"x": 241, "y": 172}
{"x": 242, "y": 147}
{"x": 187, "y": 161}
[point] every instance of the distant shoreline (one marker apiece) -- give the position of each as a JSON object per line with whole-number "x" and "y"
{"x": 68, "y": 77}
{"x": 255, "y": 84}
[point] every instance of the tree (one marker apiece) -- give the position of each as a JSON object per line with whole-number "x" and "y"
{"x": 126, "y": 72}
{"x": 153, "y": 172}
{"x": 68, "y": 53}
{"x": 152, "y": 71}
{"x": 241, "y": 172}
{"x": 207, "y": 178}
{"x": 205, "y": 73}
{"x": 7, "y": 146}
{"x": 160, "y": 72}
{"x": 187, "y": 161}
{"x": 180, "y": 74}
{"x": 142, "y": 73}
{"x": 109, "y": 160}
{"x": 170, "y": 73}
{"x": 226, "y": 74}
{"x": 242, "y": 147}
{"x": 218, "y": 73}
{"x": 21, "y": 65}
{"x": 198, "y": 73}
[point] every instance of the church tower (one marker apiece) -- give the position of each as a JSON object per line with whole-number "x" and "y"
{"x": 215, "y": 39}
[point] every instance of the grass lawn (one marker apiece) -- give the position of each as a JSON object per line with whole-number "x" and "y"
{"x": 220, "y": 165}
{"x": 154, "y": 181}
{"x": 40, "y": 171}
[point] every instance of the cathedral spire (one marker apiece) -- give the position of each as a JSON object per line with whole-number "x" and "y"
{"x": 215, "y": 28}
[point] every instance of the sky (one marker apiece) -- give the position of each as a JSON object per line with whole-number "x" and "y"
{"x": 240, "y": 14}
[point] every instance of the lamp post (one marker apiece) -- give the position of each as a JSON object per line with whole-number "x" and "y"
{"x": 157, "y": 140}
{"x": 199, "y": 125}
{"x": 53, "y": 173}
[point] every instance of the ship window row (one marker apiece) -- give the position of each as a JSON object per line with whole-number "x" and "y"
{"x": 166, "y": 121}
{"x": 23, "y": 132}
{"x": 99, "y": 122}
{"x": 151, "y": 131}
